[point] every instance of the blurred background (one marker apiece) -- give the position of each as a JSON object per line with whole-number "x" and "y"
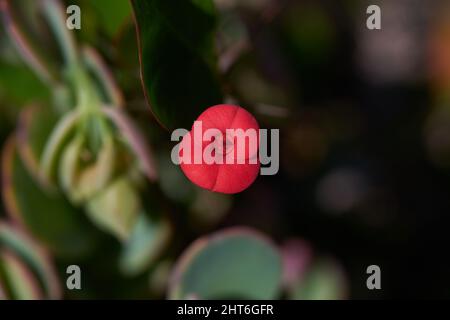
{"x": 364, "y": 119}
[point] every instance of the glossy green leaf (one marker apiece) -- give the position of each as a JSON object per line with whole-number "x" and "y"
{"x": 176, "y": 49}
{"x": 50, "y": 217}
{"x": 238, "y": 263}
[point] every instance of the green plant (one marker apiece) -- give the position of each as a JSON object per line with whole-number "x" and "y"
{"x": 26, "y": 271}
{"x": 81, "y": 152}
{"x": 87, "y": 172}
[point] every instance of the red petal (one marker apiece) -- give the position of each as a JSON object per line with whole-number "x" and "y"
{"x": 224, "y": 178}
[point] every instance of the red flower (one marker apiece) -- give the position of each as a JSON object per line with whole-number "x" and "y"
{"x": 239, "y": 166}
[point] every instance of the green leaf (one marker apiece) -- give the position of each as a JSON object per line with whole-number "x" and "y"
{"x": 35, "y": 126}
{"x": 55, "y": 14}
{"x": 116, "y": 209}
{"x": 147, "y": 240}
{"x": 55, "y": 143}
{"x": 87, "y": 182}
{"x": 69, "y": 168}
{"x": 15, "y": 240}
{"x": 323, "y": 281}
{"x": 13, "y": 80}
{"x": 177, "y": 49}
{"x": 238, "y": 263}
{"x": 18, "y": 25}
{"x": 20, "y": 280}
{"x": 107, "y": 84}
{"x": 97, "y": 176}
{"x": 135, "y": 140}
{"x": 51, "y": 218}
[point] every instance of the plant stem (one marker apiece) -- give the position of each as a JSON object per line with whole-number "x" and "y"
{"x": 54, "y": 13}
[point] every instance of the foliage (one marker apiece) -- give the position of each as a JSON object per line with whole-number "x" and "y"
{"x": 86, "y": 172}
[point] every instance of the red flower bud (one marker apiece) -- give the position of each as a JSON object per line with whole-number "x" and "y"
{"x": 235, "y": 151}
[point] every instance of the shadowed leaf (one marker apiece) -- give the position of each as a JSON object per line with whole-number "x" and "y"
{"x": 51, "y": 218}
{"x": 176, "y": 55}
